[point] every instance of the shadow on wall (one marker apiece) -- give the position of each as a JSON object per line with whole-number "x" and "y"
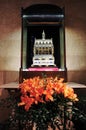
{"x": 9, "y": 76}
{"x": 77, "y": 76}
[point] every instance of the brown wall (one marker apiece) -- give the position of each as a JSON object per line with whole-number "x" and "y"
{"x": 8, "y": 76}
{"x": 10, "y": 37}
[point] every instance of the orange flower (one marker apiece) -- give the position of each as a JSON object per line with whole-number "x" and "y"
{"x": 36, "y": 93}
{"x": 48, "y": 92}
{"x": 25, "y": 100}
{"x": 35, "y": 90}
{"x": 69, "y": 93}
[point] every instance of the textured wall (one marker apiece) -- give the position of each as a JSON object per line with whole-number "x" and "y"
{"x": 9, "y": 35}
{"x": 75, "y": 30}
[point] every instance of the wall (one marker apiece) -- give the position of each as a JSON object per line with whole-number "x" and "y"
{"x": 75, "y": 40}
{"x": 10, "y": 37}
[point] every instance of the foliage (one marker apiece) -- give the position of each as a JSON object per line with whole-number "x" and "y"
{"x": 46, "y": 101}
{"x": 79, "y": 114}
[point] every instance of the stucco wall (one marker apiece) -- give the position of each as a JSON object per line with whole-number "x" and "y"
{"x": 75, "y": 37}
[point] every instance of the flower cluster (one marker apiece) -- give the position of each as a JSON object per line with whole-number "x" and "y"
{"x": 35, "y": 90}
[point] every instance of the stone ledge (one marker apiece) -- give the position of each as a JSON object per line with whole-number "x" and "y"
{"x": 14, "y": 85}
{"x": 11, "y": 85}
{"x": 76, "y": 85}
